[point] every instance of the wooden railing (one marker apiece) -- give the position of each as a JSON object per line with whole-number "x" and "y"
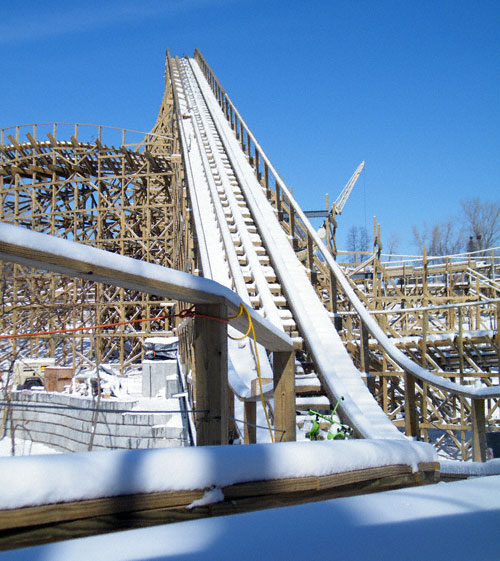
{"x": 213, "y": 302}
{"x": 80, "y": 133}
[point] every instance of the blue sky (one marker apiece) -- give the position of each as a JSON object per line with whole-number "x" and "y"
{"x": 410, "y": 87}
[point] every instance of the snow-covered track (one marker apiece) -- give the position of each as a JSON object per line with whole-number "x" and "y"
{"x": 329, "y": 279}
{"x": 219, "y": 169}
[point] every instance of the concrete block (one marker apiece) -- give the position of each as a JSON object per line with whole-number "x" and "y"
{"x": 69, "y": 429}
{"x": 154, "y": 375}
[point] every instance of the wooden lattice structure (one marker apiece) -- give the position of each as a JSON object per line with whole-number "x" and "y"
{"x": 116, "y": 190}
{"x": 443, "y": 313}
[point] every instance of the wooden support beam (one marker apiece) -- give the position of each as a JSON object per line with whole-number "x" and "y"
{"x": 411, "y": 418}
{"x": 232, "y": 427}
{"x": 364, "y": 349}
{"x": 478, "y": 431}
{"x": 497, "y": 336}
{"x": 210, "y": 347}
{"x": 284, "y": 396}
{"x": 34, "y": 249}
{"x": 460, "y": 340}
{"x": 250, "y": 436}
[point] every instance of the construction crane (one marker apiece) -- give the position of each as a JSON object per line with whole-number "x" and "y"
{"x": 339, "y": 204}
{"x": 328, "y": 229}
{"x": 341, "y": 200}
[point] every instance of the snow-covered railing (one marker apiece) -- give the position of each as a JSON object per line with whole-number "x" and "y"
{"x": 302, "y": 232}
{"x": 212, "y": 301}
{"x": 110, "y": 490}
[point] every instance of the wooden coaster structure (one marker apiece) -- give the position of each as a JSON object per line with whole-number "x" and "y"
{"x": 442, "y": 312}
{"x": 124, "y": 192}
{"x": 105, "y": 188}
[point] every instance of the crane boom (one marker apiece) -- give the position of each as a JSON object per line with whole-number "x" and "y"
{"x": 346, "y": 191}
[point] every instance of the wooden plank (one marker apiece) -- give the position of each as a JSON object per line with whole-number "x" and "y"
{"x": 48, "y": 514}
{"x": 73, "y": 259}
{"x": 250, "y": 435}
{"x": 284, "y": 396}
{"x": 301, "y": 484}
{"x": 478, "y": 430}
{"x": 411, "y": 418}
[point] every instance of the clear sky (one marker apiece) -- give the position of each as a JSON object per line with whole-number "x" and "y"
{"x": 411, "y": 87}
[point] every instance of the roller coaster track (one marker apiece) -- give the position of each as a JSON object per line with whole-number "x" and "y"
{"x": 232, "y": 215}
{"x": 254, "y": 254}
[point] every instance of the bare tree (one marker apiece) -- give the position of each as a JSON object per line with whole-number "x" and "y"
{"x": 482, "y": 223}
{"x": 392, "y": 246}
{"x": 357, "y": 239}
{"x": 478, "y": 227}
{"x": 439, "y": 239}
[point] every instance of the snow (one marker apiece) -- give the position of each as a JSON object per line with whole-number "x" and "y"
{"x": 165, "y": 340}
{"x": 24, "y": 447}
{"x": 448, "y": 521}
{"x": 99, "y": 258}
{"x": 36, "y": 480}
{"x": 208, "y": 178}
{"x": 492, "y": 467}
{"x": 210, "y": 497}
{"x": 297, "y": 291}
{"x": 437, "y": 337}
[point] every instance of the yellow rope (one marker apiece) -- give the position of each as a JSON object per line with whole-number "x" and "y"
{"x": 257, "y": 358}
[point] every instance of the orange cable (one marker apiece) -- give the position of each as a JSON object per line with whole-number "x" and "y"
{"x": 188, "y": 313}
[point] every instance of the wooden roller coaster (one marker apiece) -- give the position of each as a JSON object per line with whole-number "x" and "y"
{"x": 126, "y": 192}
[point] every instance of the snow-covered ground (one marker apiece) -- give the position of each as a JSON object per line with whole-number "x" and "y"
{"x": 448, "y": 521}
{"x": 23, "y": 448}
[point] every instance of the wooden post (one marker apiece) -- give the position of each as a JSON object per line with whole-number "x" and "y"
{"x": 460, "y": 341}
{"x": 250, "y": 436}
{"x": 478, "y": 430}
{"x": 411, "y": 418}
{"x": 284, "y": 396}
{"x": 266, "y": 181}
{"x": 497, "y": 336}
{"x": 295, "y": 241}
{"x": 277, "y": 199}
{"x": 210, "y": 347}
{"x": 232, "y": 431}
{"x": 425, "y": 291}
{"x": 423, "y": 346}
{"x": 333, "y": 294}
{"x": 364, "y": 355}
{"x": 310, "y": 260}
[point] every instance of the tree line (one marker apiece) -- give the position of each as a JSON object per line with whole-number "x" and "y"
{"x": 475, "y": 228}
